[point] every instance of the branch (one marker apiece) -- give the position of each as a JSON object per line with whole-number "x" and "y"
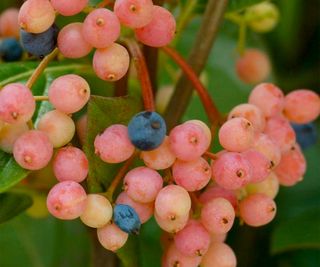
{"x": 197, "y": 60}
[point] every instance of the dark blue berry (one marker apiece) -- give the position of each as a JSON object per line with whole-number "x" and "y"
{"x": 306, "y": 134}
{"x": 147, "y": 130}
{"x": 40, "y": 44}
{"x": 10, "y": 50}
{"x": 126, "y": 218}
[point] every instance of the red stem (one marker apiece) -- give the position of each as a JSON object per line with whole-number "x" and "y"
{"x": 143, "y": 73}
{"x": 210, "y": 107}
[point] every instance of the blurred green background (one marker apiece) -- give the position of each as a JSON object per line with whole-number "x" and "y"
{"x": 291, "y": 240}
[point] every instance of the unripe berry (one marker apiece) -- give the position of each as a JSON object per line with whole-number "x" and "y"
{"x": 9, "y": 133}
{"x": 111, "y": 237}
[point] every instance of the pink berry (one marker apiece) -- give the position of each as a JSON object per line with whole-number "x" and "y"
{"x": 193, "y": 240}
{"x": 111, "y": 63}
{"x": 219, "y": 255}
{"x": 172, "y": 225}
{"x": 97, "y": 212}
{"x": 236, "y": 135}
{"x": 70, "y": 7}
{"x": 269, "y": 186}
{"x": 142, "y": 184}
{"x": 188, "y": 141}
{"x": 250, "y": 112}
{"x": 257, "y": 210}
{"x": 160, "y": 158}
{"x": 302, "y": 106}
{"x": 111, "y": 237}
{"x": 33, "y": 150}
{"x": 113, "y": 145}
{"x": 134, "y": 13}
{"x": 231, "y": 170}
{"x": 144, "y": 210}
{"x": 268, "y": 98}
{"x": 71, "y": 42}
{"x": 173, "y": 258}
{"x": 36, "y": 16}
{"x": 66, "y": 200}
{"x": 70, "y": 164}
{"x": 191, "y": 175}
{"x": 17, "y": 104}
{"x": 204, "y": 127}
{"x": 101, "y": 28}
{"x": 253, "y": 66}
{"x": 9, "y": 133}
{"x": 73, "y": 89}
{"x": 160, "y": 30}
{"x": 9, "y": 26}
{"x": 217, "y": 215}
{"x": 292, "y": 167}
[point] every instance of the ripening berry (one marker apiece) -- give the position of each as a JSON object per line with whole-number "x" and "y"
{"x": 253, "y": 66}
{"x": 268, "y": 148}
{"x": 191, "y": 175}
{"x": 302, "y": 106}
{"x": 81, "y": 128}
{"x": 193, "y": 240}
{"x": 250, "y": 112}
{"x": 269, "y": 186}
{"x": 66, "y": 200}
{"x": 173, "y": 225}
{"x": 9, "y": 133}
{"x": 147, "y": 130}
{"x": 70, "y": 7}
{"x": 33, "y": 150}
{"x": 73, "y": 89}
{"x": 168, "y": 195}
{"x": 160, "y": 158}
{"x": 262, "y": 17}
{"x": 219, "y": 255}
{"x": 231, "y": 170}
{"x": 17, "y": 104}
{"x": 97, "y": 212}
{"x": 236, "y": 135}
{"x": 142, "y": 184}
{"x": 188, "y": 141}
{"x": 111, "y": 237}
{"x": 268, "y": 98}
{"x": 113, "y": 145}
{"x": 134, "y": 13}
{"x": 280, "y": 132}
{"x": 58, "y": 126}
{"x": 260, "y": 165}
{"x": 160, "y": 30}
{"x": 127, "y": 219}
{"x": 144, "y": 210}
{"x": 111, "y": 63}
{"x": 292, "y": 167}
{"x": 257, "y": 209}
{"x": 70, "y": 164}
{"x": 71, "y": 42}
{"x": 101, "y": 28}
{"x": 174, "y": 258}
{"x": 217, "y": 191}
{"x": 217, "y": 215}
{"x": 9, "y": 26}
{"x": 204, "y": 127}
{"x": 36, "y": 16}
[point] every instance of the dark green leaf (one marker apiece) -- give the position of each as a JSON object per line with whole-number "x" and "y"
{"x": 12, "y": 204}
{"x": 129, "y": 253}
{"x": 103, "y": 112}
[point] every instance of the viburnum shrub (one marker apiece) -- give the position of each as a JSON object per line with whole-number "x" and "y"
{"x": 195, "y": 193}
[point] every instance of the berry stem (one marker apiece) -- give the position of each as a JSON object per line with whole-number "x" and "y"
{"x": 210, "y": 107}
{"x": 143, "y": 73}
{"x": 121, "y": 173}
{"x": 41, "y": 67}
{"x": 41, "y": 98}
{"x": 210, "y": 155}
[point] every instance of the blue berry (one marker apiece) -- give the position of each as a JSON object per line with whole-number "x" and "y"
{"x": 306, "y": 134}
{"x": 126, "y": 218}
{"x": 147, "y": 130}
{"x": 40, "y": 44}
{"x": 10, "y": 50}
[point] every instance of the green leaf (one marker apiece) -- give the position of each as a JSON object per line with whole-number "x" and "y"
{"x": 103, "y": 112}
{"x": 12, "y": 204}
{"x": 236, "y": 5}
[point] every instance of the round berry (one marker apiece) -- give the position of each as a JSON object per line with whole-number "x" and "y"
{"x": 70, "y": 7}
{"x": 126, "y": 218}
{"x": 111, "y": 237}
{"x": 10, "y": 50}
